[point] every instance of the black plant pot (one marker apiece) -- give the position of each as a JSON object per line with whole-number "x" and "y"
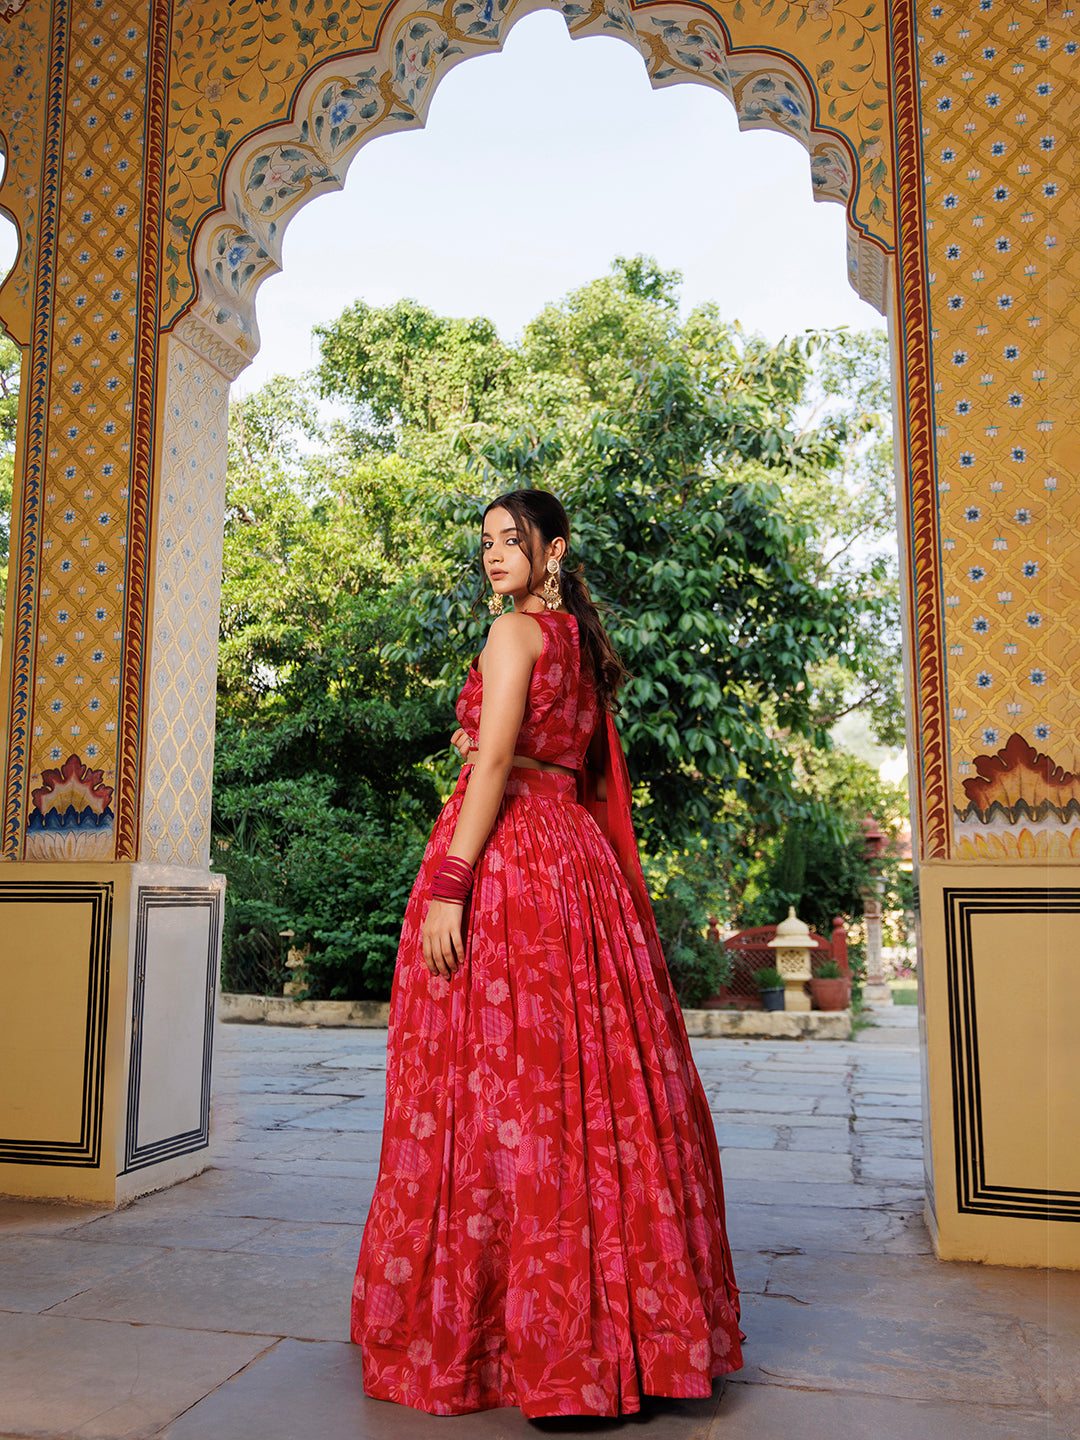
{"x": 773, "y": 999}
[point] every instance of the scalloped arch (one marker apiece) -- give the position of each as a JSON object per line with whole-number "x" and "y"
{"x": 344, "y": 102}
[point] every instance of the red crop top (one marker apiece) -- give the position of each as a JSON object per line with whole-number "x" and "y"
{"x": 561, "y": 710}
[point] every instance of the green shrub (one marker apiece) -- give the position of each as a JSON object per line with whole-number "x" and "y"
{"x": 337, "y": 880}
{"x": 683, "y": 887}
{"x": 768, "y": 979}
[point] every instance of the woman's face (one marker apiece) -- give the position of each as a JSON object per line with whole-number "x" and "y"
{"x": 505, "y": 562}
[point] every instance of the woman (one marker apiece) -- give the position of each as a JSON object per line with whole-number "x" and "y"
{"x": 547, "y": 1228}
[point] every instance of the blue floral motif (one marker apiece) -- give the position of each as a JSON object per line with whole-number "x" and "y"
{"x": 1034, "y": 619}
{"x": 1038, "y": 677}
{"x": 980, "y": 625}
{"x": 984, "y": 679}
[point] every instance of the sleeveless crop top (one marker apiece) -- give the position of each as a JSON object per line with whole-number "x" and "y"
{"x": 561, "y": 710}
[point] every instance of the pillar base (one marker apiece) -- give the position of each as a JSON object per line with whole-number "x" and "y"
{"x": 1000, "y": 1063}
{"x": 110, "y": 976}
{"x": 877, "y": 995}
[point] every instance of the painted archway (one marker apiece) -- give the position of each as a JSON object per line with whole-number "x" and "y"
{"x": 155, "y": 154}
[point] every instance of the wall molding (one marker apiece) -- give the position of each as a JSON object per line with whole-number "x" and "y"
{"x": 975, "y": 1194}
{"x": 85, "y": 1151}
{"x": 150, "y": 898}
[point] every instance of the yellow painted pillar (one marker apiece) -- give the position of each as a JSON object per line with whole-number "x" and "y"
{"x": 991, "y": 278}
{"x": 109, "y": 918}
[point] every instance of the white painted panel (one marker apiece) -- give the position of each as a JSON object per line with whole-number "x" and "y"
{"x": 173, "y": 1021}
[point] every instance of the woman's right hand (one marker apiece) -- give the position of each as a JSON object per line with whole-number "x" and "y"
{"x": 462, "y": 744}
{"x": 440, "y": 938}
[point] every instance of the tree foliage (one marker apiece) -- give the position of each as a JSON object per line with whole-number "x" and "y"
{"x": 729, "y": 501}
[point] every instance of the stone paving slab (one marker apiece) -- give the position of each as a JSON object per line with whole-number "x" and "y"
{"x": 243, "y": 1292}
{"x": 38, "y": 1272}
{"x": 914, "y": 1355}
{"x": 1034, "y": 1296}
{"x": 818, "y": 1166}
{"x": 771, "y": 1412}
{"x": 777, "y": 1228}
{"x": 219, "y": 1308}
{"x": 92, "y": 1380}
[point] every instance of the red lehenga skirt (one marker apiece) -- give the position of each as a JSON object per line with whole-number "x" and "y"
{"x": 548, "y": 1226}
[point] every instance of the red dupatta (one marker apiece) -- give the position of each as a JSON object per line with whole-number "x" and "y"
{"x": 613, "y": 817}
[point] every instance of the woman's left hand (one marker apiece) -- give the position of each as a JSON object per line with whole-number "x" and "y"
{"x": 440, "y": 938}
{"x": 462, "y": 744}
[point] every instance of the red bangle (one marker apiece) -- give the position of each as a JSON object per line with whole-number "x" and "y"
{"x": 452, "y": 881}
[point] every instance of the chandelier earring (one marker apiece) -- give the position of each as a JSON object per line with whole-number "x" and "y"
{"x": 551, "y": 590}
{"x": 495, "y": 603}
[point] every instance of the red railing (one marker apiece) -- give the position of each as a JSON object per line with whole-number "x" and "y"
{"x": 749, "y": 950}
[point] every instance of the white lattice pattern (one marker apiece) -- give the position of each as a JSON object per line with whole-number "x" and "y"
{"x": 179, "y": 764}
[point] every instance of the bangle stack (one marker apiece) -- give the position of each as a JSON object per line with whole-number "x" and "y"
{"x": 452, "y": 881}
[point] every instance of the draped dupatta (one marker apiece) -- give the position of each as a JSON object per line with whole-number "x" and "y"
{"x": 613, "y": 816}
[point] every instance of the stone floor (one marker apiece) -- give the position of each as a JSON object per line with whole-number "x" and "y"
{"x": 217, "y": 1310}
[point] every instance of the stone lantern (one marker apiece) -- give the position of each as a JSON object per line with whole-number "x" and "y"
{"x": 793, "y": 945}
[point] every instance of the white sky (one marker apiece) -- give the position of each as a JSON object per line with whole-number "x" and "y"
{"x": 536, "y": 168}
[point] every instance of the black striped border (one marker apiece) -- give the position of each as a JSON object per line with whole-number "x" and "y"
{"x": 138, "y": 1157}
{"x": 85, "y": 1151}
{"x": 975, "y": 1195}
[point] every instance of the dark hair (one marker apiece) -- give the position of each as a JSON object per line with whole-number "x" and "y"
{"x": 539, "y": 512}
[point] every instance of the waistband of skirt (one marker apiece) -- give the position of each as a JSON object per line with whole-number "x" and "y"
{"x": 546, "y": 784}
{"x": 550, "y": 783}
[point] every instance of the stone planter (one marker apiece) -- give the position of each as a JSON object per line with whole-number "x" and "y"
{"x": 831, "y": 993}
{"x": 773, "y": 999}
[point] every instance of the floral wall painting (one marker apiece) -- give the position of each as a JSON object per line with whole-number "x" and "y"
{"x": 1020, "y": 804}
{"x": 70, "y": 818}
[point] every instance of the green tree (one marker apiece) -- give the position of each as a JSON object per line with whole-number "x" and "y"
{"x": 323, "y": 790}
{"x": 728, "y": 508}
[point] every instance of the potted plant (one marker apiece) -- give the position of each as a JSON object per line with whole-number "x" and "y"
{"x": 770, "y": 984}
{"x": 830, "y": 989}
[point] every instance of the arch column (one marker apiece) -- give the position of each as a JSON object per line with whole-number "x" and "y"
{"x": 110, "y": 917}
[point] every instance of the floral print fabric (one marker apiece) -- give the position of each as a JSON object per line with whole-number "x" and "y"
{"x": 547, "y": 1229}
{"x": 561, "y": 710}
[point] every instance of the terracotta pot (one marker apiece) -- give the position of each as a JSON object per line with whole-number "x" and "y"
{"x": 773, "y": 999}
{"x": 831, "y": 993}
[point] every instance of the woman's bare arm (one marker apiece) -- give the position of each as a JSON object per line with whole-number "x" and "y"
{"x": 513, "y": 647}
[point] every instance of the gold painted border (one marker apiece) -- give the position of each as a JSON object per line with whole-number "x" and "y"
{"x": 915, "y": 387}
{"x": 136, "y": 650}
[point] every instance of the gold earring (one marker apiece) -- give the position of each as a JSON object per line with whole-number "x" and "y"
{"x": 495, "y": 603}
{"x": 551, "y": 590}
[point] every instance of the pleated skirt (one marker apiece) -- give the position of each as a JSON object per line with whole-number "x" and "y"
{"x": 547, "y": 1228}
